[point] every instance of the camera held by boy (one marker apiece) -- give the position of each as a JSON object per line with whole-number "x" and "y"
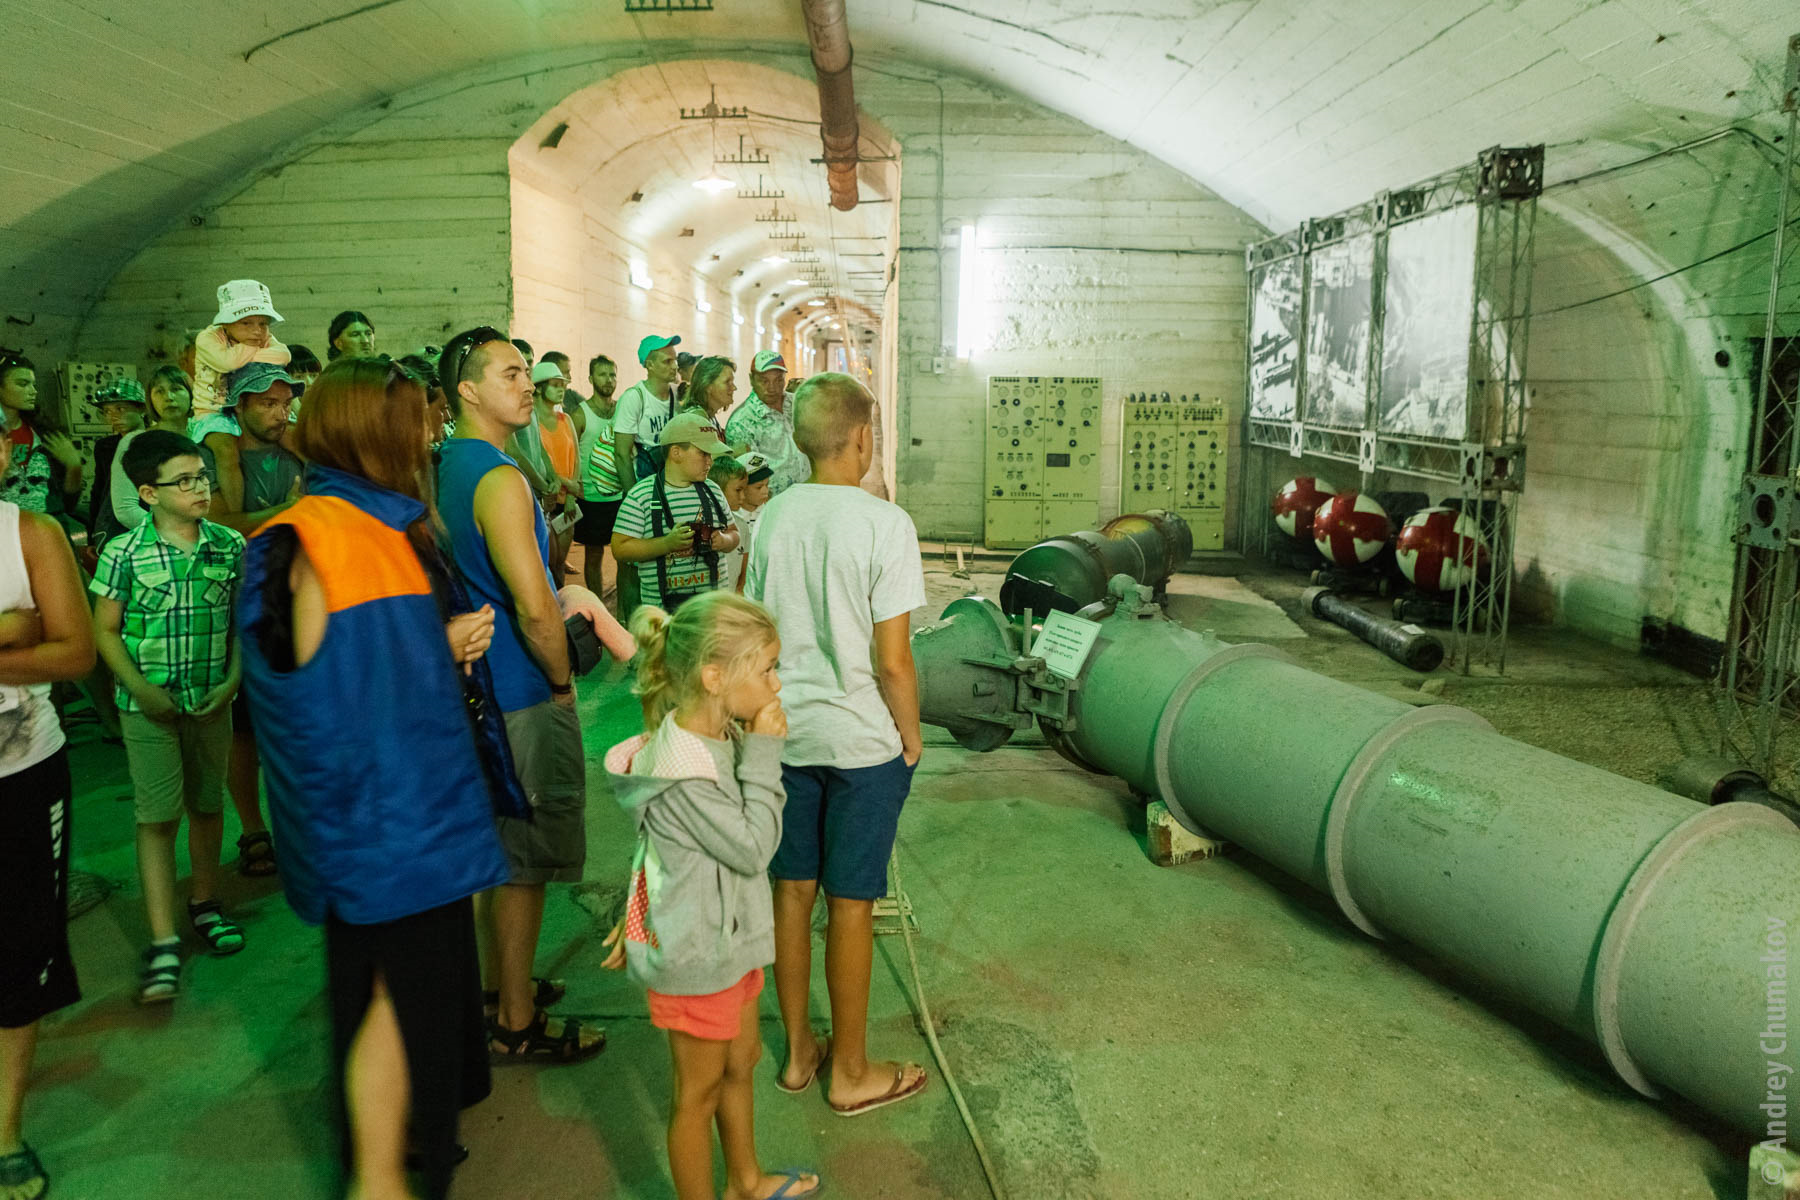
{"x": 163, "y": 624}
{"x": 677, "y": 522}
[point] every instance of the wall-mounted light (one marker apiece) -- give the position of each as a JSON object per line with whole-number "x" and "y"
{"x": 759, "y": 329}
{"x": 714, "y": 183}
{"x": 795, "y": 283}
{"x": 969, "y": 298}
{"x": 775, "y": 260}
{"x": 738, "y": 319}
{"x": 815, "y": 304}
{"x": 640, "y": 276}
{"x": 703, "y": 306}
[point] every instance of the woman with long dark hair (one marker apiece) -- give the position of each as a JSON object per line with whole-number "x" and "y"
{"x": 384, "y": 776}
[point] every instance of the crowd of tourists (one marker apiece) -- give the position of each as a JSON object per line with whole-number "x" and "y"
{"x": 292, "y": 581}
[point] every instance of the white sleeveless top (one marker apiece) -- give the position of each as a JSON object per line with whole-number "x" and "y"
{"x": 29, "y": 729}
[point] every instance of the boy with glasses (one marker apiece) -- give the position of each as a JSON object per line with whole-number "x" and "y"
{"x": 162, "y": 621}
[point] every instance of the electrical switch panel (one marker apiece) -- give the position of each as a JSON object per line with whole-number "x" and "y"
{"x": 1043, "y": 457}
{"x": 1174, "y": 454}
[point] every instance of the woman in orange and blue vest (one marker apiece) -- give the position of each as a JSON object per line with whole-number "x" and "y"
{"x": 365, "y": 681}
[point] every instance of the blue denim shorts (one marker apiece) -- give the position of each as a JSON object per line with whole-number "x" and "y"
{"x": 839, "y": 826}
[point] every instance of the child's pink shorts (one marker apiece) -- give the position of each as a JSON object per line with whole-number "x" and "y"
{"x": 718, "y": 1017}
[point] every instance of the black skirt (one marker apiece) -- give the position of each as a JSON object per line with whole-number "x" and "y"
{"x": 429, "y": 965}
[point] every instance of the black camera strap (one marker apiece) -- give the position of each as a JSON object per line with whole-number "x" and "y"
{"x": 711, "y": 512}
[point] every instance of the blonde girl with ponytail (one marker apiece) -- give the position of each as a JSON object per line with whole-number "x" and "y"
{"x": 703, "y": 785}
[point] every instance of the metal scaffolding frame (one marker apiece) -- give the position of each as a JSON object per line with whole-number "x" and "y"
{"x": 1485, "y": 464}
{"x": 1758, "y": 682}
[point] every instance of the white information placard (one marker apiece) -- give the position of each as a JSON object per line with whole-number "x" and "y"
{"x": 1065, "y": 643}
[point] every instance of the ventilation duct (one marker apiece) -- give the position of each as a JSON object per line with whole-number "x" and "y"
{"x": 828, "y": 31}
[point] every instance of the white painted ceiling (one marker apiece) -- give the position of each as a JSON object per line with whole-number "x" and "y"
{"x": 115, "y": 114}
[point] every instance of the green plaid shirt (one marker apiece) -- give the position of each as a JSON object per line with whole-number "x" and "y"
{"x": 178, "y": 607}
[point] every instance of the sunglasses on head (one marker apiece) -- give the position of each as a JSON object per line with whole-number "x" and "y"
{"x": 456, "y": 354}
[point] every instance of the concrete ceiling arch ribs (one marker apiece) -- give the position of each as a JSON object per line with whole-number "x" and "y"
{"x": 627, "y": 148}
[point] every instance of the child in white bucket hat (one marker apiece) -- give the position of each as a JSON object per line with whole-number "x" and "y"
{"x": 238, "y": 336}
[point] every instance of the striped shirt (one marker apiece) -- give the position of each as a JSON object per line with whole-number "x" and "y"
{"x": 640, "y": 517}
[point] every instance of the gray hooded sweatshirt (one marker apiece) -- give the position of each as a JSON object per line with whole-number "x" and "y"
{"x": 708, "y": 816}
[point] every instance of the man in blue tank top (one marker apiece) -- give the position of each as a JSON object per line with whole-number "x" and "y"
{"x": 501, "y": 548}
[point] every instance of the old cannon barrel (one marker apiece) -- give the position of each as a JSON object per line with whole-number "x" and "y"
{"x": 1633, "y": 917}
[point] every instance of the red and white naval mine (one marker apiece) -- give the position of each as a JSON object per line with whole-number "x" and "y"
{"x": 1440, "y": 550}
{"x": 1350, "y": 529}
{"x": 1296, "y": 503}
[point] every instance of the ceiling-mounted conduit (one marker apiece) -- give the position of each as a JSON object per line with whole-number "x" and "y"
{"x": 828, "y": 32}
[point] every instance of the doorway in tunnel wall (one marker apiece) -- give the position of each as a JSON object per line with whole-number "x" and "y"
{"x": 686, "y": 200}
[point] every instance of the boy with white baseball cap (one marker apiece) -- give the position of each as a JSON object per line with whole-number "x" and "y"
{"x": 238, "y": 336}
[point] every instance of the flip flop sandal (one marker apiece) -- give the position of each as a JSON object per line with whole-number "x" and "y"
{"x": 160, "y": 980}
{"x": 22, "y": 1167}
{"x": 894, "y": 1095}
{"x": 792, "y": 1175}
{"x": 549, "y": 991}
{"x": 256, "y": 855}
{"x": 824, "y": 1053}
{"x": 535, "y": 1044}
{"x": 222, "y": 935}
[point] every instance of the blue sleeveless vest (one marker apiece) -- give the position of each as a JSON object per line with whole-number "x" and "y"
{"x": 376, "y": 789}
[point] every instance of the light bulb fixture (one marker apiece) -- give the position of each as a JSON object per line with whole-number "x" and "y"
{"x": 703, "y": 306}
{"x": 775, "y": 260}
{"x": 640, "y": 277}
{"x": 795, "y": 283}
{"x": 815, "y": 304}
{"x": 715, "y": 183}
{"x": 737, "y": 318}
{"x": 759, "y": 329}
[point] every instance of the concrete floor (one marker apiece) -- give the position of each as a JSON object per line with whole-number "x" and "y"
{"x": 1120, "y": 1030}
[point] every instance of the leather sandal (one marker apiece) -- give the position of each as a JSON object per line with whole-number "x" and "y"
{"x": 535, "y": 1043}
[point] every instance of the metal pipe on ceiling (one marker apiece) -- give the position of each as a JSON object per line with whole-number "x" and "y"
{"x": 828, "y": 32}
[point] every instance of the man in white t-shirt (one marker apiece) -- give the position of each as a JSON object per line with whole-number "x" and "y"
{"x": 643, "y": 410}
{"x": 638, "y": 421}
{"x": 840, "y": 571}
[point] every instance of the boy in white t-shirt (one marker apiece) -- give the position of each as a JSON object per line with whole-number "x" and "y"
{"x": 840, "y": 571}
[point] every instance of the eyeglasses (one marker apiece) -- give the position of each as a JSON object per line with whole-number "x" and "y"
{"x": 456, "y": 354}
{"x": 188, "y": 483}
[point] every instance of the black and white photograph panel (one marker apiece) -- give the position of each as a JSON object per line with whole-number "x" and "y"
{"x": 1337, "y": 333}
{"x": 1275, "y": 339}
{"x": 1425, "y": 331}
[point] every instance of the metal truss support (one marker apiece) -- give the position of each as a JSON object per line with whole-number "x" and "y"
{"x": 1758, "y": 683}
{"x": 1492, "y": 472}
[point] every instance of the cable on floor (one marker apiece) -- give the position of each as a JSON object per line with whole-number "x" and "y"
{"x": 937, "y": 1051}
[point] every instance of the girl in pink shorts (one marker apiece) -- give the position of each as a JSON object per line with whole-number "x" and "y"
{"x": 704, "y": 788}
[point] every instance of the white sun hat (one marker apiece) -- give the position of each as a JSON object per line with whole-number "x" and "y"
{"x": 244, "y": 298}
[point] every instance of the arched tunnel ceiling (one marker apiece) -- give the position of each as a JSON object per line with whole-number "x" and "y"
{"x": 626, "y": 138}
{"x": 117, "y": 116}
